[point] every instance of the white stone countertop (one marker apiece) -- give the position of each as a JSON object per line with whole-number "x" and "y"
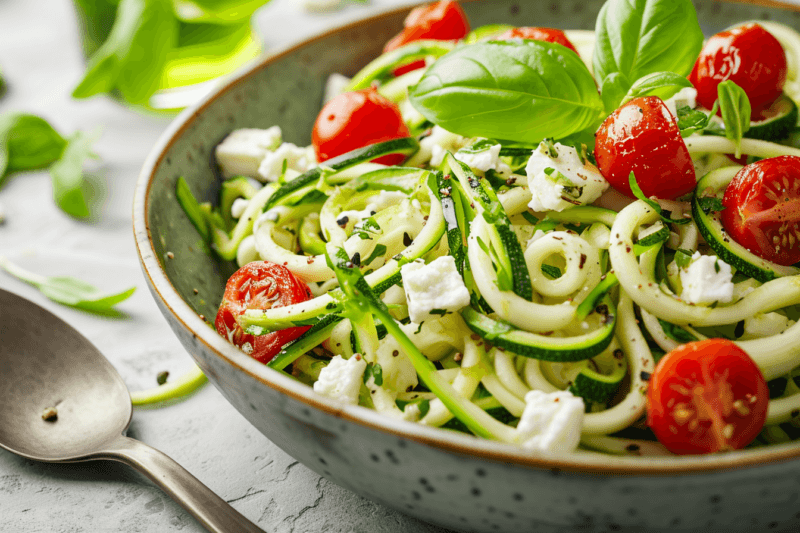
{"x": 41, "y": 60}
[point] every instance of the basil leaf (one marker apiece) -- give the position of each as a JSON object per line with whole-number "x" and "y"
{"x": 488, "y": 31}
{"x": 522, "y": 91}
{"x": 67, "y": 175}
{"x": 69, "y": 291}
{"x": 131, "y": 60}
{"x": 637, "y": 192}
{"x": 665, "y": 85}
{"x": 639, "y": 37}
{"x": 735, "y": 107}
{"x": 27, "y": 142}
{"x": 613, "y": 90}
{"x": 683, "y": 258}
{"x": 693, "y": 120}
{"x": 96, "y": 18}
{"x": 710, "y": 203}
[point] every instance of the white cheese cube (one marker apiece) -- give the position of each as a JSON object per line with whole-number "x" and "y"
{"x": 241, "y": 152}
{"x": 342, "y": 378}
{"x": 551, "y": 422}
{"x": 706, "y": 280}
{"x": 558, "y": 182}
{"x": 484, "y": 160}
{"x": 297, "y": 159}
{"x": 765, "y": 325}
{"x": 436, "y": 286}
{"x": 683, "y": 98}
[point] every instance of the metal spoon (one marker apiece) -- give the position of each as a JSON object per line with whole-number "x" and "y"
{"x": 45, "y": 363}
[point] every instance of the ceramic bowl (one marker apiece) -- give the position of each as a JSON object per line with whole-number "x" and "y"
{"x": 448, "y": 479}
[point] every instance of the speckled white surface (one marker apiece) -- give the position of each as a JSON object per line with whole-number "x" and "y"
{"x": 41, "y": 60}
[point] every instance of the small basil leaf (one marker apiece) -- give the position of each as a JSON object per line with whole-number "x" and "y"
{"x": 676, "y": 333}
{"x": 521, "y": 91}
{"x": 67, "y": 175}
{"x": 69, "y": 291}
{"x": 735, "y": 107}
{"x": 613, "y": 90}
{"x": 693, "y": 120}
{"x": 665, "y": 85}
{"x": 637, "y": 192}
{"x": 710, "y": 204}
{"x": 639, "y": 37}
{"x": 29, "y": 143}
{"x": 683, "y": 258}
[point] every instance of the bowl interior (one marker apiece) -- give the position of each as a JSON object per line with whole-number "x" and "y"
{"x": 286, "y": 89}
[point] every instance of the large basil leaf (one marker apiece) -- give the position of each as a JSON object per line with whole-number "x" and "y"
{"x": 521, "y": 91}
{"x": 639, "y": 37}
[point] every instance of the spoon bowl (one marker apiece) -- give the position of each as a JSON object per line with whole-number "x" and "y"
{"x": 45, "y": 363}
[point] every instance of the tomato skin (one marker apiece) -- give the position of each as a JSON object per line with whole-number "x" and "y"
{"x": 705, "y": 397}
{"x": 642, "y": 137}
{"x": 357, "y": 119}
{"x": 549, "y": 35}
{"x": 260, "y": 285}
{"x": 749, "y": 56}
{"x": 440, "y": 21}
{"x": 762, "y": 209}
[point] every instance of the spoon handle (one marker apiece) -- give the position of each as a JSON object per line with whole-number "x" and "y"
{"x": 214, "y": 513}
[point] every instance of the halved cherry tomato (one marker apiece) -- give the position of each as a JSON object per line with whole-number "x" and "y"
{"x": 259, "y": 285}
{"x": 357, "y": 119}
{"x": 750, "y": 57}
{"x": 642, "y": 137}
{"x": 706, "y": 397}
{"x": 440, "y": 21}
{"x": 549, "y": 35}
{"x": 762, "y": 209}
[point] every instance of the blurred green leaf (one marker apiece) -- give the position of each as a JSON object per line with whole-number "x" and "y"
{"x": 27, "y": 142}
{"x": 217, "y": 11}
{"x": 96, "y": 18}
{"x": 67, "y": 175}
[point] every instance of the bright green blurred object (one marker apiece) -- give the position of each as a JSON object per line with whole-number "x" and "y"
{"x": 163, "y": 54}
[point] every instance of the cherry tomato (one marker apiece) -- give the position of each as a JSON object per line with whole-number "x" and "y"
{"x": 259, "y": 285}
{"x": 706, "y": 397}
{"x": 762, "y": 209}
{"x": 357, "y": 119}
{"x": 440, "y": 21}
{"x": 749, "y": 56}
{"x": 548, "y": 35}
{"x": 642, "y": 137}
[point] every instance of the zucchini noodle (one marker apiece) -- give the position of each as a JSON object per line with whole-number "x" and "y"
{"x": 557, "y": 299}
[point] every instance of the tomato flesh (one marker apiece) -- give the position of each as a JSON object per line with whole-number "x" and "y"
{"x": 356, "y": 119}
{"x": 706, "y": 396}
{"x": 642, "y": 137}
{"x": 260, "y": 285}
{"x": 749, "y": 56}
{"x": 549, "y": 35}
{"x": 762, "y": 209}
{"x": 439, "y": 21}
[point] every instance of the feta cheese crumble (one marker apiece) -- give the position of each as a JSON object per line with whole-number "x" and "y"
{"x": 242, "y": 151}
{"x": 342, "y": 378}
{"x": 438, "y": 143}
{"x": 484, "y": 160}
{"x": 436, "y": 286}
{"x": 560, "y": 180}
{"x": 683, "y": 98}
{"x": 238, "y": 207}
{"x": 551, "y": 422}
{"x": 297, "y": 159}
{"x": 706, "y": 280}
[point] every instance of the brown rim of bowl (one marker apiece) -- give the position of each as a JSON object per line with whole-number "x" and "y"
{"x": 455, "y": 443}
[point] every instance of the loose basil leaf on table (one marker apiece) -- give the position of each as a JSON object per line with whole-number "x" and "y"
{"x": 735, "y": 108}
{"x": 640, "y": 37}
{"x": 67, "y": 174}
{"x": 27, "y": 142}
{"x": 132, "y": 58}
{"x": 69, "y": 291}
{"x": 665, "y": 85}
{"x": 521, "y": 91}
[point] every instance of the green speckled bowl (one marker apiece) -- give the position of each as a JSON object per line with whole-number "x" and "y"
{"x": 451, "y": 480}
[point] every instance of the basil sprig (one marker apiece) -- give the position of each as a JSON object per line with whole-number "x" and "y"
{"x": 639, "y": 37}
{"x": 662, "y": 84}
{"x": 637, "y": 192}
{"x": 69, "y": 291}
{"x": 28, "y": 142}
{"x": 735, "y": 108}
{"x": 521, "y": 91}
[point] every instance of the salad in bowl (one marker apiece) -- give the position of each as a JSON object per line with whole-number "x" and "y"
{"x": 569, "y": 241}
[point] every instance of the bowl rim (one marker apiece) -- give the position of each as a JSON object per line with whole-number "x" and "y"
{"x": 461, "y": 444}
